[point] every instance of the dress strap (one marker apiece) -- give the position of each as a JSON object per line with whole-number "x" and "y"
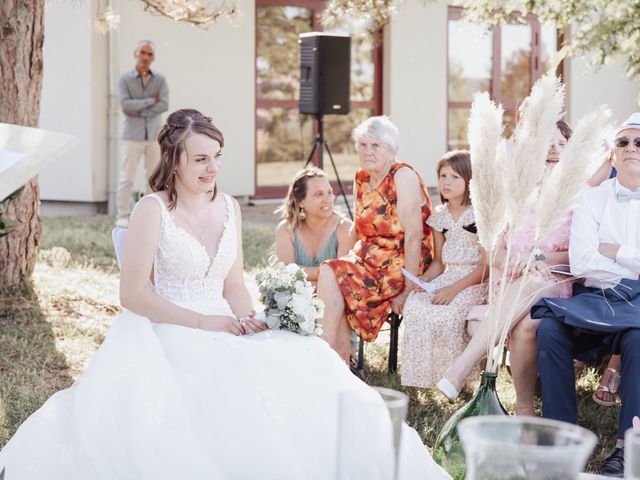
{"x": 163, "y": 207}
{"x": 231, "y": 213}
{"x": 164, "y": 214}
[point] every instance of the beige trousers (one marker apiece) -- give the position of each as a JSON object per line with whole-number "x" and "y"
{"x": 133, "y": 151}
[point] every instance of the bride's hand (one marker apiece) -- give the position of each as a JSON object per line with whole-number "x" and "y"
{"x": 219, "y": 323}
{"x": 251, "y": 325}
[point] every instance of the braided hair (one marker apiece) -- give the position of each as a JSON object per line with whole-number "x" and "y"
{"x": 180, "y": 125}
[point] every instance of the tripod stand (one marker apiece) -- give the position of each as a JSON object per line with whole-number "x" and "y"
{"x": 320, "y": 144}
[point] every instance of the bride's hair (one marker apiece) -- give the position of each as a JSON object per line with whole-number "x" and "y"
{"x": 180, "y": 125}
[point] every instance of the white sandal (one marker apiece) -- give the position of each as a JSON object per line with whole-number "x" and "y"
{"x": 447, "y": 389}
{"x": 611, "y": 388}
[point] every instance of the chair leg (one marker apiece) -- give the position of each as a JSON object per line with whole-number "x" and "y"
{"x": 360, "y": 354}
{"x": 394, "y": 322}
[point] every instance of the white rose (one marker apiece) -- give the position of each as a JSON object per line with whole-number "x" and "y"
{"x": 305, "y": 289}
{"x": 300, "y": 304}
{"x": 308, "y": 326}
{"x": 292, "y": 268}
{"x": 319, "y": 307}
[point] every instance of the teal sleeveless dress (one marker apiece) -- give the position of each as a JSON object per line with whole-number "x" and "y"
{"x": 329, "y": 251}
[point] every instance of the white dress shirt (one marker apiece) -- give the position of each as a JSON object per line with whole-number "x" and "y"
{"x": 599, "y": 217}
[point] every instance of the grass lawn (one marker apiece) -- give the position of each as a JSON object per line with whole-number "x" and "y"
{"x": 49, "y": 333}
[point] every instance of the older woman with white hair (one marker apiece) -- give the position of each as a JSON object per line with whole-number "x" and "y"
{"x": 392, "y": 205}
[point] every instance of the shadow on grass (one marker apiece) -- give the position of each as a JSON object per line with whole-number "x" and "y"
{"x": 31, "y": 369}
{"x": 428, "y": 410}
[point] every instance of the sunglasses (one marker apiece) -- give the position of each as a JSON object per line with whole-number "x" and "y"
{"x": 624, "y": 141}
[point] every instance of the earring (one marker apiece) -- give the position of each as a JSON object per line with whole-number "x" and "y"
{"x": 303, "y": 214}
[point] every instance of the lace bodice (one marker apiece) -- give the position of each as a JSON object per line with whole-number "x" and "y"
{"x": 184, "y": 273}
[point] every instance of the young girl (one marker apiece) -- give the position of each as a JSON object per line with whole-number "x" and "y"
{"x": 434, "y": 332}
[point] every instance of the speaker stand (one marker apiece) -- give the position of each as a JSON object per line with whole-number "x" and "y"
{"x": 319, "y": 145}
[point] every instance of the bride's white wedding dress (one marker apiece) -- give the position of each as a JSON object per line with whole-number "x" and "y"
{"x": 161, "y": 401}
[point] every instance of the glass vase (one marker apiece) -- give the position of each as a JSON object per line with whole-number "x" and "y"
{"x": 524, "y": 448}
{"x": 448, "y": 451}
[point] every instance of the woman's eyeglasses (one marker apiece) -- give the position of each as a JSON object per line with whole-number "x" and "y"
{"x": 624, "y": 141}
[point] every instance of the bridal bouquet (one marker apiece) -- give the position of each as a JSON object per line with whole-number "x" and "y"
{"x": 289, "y": 299}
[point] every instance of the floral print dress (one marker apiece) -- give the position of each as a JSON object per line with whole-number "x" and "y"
{"x": 370, "y": 276}
{"x": 434, "y": 335}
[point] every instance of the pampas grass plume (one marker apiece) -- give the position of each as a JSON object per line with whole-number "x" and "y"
{"x": 578, "y": 161}
{"x": 487, "y": 187}
{"x": 531, "y": 141}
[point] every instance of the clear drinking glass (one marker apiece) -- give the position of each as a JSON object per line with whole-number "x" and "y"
{"x": 398, "y": 404}
{"x": 524, "y": 448}
{"x": 632, "y": 454}
{"x": 369, "y": 426}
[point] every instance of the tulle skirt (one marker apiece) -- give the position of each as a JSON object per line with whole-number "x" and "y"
{"x": 169, "y": 402}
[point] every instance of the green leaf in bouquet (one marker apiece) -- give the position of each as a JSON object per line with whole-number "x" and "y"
{"x": 282, "y": 299}
{"x": 273, "y": 322}
{"x": 272, "y": 260}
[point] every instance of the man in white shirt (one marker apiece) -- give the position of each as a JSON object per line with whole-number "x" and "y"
{"x": 604, "y": 312}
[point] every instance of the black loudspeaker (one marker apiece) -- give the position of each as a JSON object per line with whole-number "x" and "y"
{"x": 325, "y": 73}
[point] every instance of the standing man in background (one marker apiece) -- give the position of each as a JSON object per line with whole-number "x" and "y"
{"x": 144, "y": 95}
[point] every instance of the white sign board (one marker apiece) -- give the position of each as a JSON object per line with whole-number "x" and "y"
{"x": 25, "y": 151}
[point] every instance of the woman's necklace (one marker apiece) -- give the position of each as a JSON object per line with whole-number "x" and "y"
{"x": 199, "y": 236}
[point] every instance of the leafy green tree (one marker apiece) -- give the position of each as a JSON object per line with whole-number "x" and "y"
{"x": 602, "y": 30}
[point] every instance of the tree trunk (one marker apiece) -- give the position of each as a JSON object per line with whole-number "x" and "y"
{"x": 21, "y": 39}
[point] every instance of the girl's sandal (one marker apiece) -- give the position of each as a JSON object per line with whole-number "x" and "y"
{"x": 605, "y": 393}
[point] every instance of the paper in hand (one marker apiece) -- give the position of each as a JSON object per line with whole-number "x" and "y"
{"x": 426, "y": 286}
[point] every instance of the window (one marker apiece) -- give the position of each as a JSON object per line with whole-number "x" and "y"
{"x": 283, "y": 136}
{"x": 505, "y": 62}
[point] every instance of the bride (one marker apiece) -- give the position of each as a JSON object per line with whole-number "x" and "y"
{"x": 188, "y": 383}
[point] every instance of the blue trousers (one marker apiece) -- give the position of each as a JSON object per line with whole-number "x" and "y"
{"x": 558, "y": 343}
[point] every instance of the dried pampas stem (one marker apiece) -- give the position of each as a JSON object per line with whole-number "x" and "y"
{"x": 487, "y": 188}
{"x": 531, "y": 141}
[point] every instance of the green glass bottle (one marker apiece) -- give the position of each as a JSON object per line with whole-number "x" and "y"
{"x": 448, "y": 450}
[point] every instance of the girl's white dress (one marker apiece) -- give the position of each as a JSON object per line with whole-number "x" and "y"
{"x": 435, "y": 335}
{"x": 161, "y": 401}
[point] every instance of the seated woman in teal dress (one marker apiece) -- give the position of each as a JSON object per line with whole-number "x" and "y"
{"x": 311, "y": 230}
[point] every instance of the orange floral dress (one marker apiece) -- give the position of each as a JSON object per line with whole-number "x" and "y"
{"x": 370, "y": 276}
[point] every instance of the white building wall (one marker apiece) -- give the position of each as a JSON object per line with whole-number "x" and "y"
{"x": 72, "y": 97}
{"x": 588, "y": 89}
{"x": 209, "y": 70}
{"x": 416, "y": 73}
